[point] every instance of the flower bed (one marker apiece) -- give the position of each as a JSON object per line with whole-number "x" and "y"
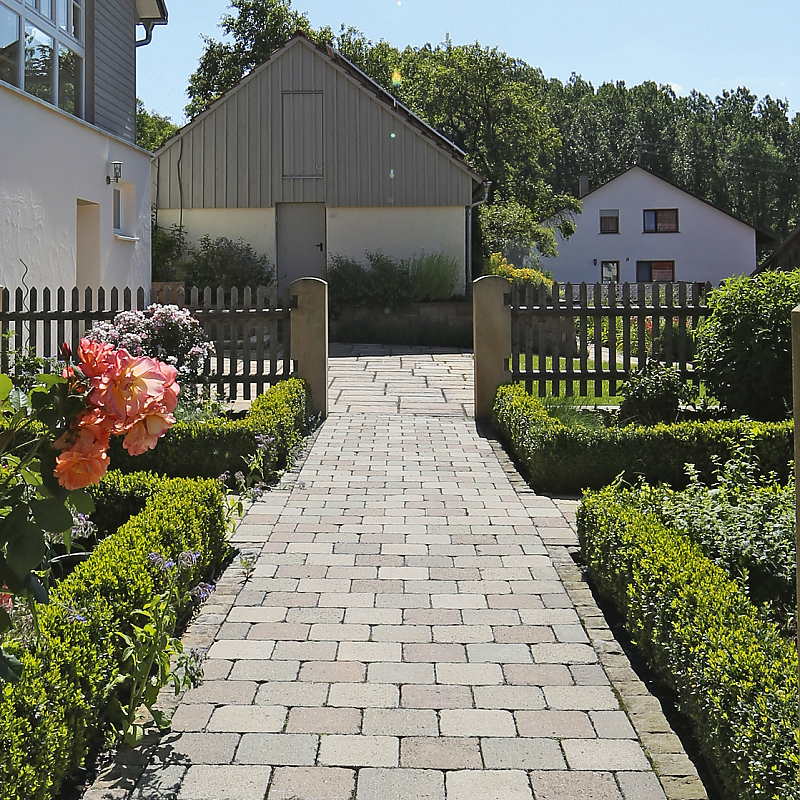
{"x": 274, "y": 425}
{"x": 734, "y": 675}
{"x": 55, "y": 714}
{"x": 558, "y": 458}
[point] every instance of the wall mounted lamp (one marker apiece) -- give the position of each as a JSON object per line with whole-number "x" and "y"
{"x": 595, "y": 262}
{"x": 116, "y": 167}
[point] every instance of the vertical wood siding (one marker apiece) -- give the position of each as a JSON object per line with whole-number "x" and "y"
{"x": 115, "y": 67}
{"x": 300, "y": 130}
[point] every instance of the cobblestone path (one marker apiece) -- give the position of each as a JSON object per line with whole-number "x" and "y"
{"x": 413, "y": 629}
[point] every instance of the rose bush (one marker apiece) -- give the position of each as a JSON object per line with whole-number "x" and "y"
{"x": 54, "y": 443}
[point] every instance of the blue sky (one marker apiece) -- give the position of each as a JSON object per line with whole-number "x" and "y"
{"x": 707, "y": 45}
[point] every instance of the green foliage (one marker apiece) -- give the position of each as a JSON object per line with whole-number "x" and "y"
{"x": 54, "y": 715}
{"x": 652, "y": 394}
{"x": 557, "y": 458}
{"x": 223, "y": 262}
{"x": 168, "y": 249}
{"x": 152, "y": 129}
{"x": 433, "y": 276}
{"x": 534, "y": 277}
{"x": 207, "y": 449}
{"x": 734, "y": 675}
{"x": 385, "y": 282}
{"x": 510, "y": 228}
{"x": 744, "y": 348}
{"x": 744, "y": 522}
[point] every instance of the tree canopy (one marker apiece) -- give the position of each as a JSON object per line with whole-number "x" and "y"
{"x": 152, "y": 129}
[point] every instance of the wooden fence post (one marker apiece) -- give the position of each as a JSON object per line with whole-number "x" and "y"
{"x": 309, "y": 338}
{"x": 491, "y": 336}
{"x": 796, "y": 415}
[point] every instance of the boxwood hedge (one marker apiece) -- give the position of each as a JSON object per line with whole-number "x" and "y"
{"x": 733, "y": 673}
{"x": 207, "y": 449}
{"x": 560, "y": 458}
{"x": 53, "y": 716}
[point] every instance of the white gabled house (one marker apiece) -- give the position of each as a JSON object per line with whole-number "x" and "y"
{"x": 640, "y": 227}
{"x": 74, "y": 188}
{"x": 306, "y": 156}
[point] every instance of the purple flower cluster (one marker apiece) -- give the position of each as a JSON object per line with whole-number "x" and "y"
{"x": 202, "y": 591}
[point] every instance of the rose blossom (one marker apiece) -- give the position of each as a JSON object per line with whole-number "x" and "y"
{"x": 82, "y": 465}
{"x": 7, "y": 602}
{"x": 95, "y": 357}
{"x": 145, "y": 432}
{"x": 128, "y": 385}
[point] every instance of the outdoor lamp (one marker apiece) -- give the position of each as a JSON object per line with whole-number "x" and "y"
{"x": 116, "y": 167}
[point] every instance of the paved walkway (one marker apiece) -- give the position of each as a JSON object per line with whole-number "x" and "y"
{"x": 413, "y": 629}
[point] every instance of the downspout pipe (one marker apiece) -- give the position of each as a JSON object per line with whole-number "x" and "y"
{"x": 486, "y": 185}
{"x": 148, "y": 26}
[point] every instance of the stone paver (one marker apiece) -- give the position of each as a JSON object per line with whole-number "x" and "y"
{"x": 412, "y": 629}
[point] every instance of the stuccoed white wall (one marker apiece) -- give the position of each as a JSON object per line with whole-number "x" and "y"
{"x": 711, "y": 245}
{"x": 49, "y": 161}
{"x": 255, "y": 226}
{"x": 399, "y": 232}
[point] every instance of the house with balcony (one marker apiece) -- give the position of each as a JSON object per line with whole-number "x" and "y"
{"x": 74, "y": 187}
{"x": 640, "y": 227}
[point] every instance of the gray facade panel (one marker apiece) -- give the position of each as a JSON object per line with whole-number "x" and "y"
{"x": 300, "y": 129}
{"x": 115, "y": 67}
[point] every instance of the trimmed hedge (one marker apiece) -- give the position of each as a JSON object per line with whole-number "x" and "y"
{"x": 207, "y": 449}
{"x": 53, "y": 717}
{"x": 558, "y": 458}
{"x": 734, "y": 675}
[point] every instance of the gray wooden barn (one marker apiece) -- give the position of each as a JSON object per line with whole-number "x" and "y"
{"x": 305, "y": 157}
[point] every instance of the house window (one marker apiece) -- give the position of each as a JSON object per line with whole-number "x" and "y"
{"x": 661, "y": 220}
{"x": 47, "y": 60}
{"x": 652, "y": 271}
{"x": 609, "y": 220}
{"x": 10, "y": 43}
{"x": 39, "y": 63}
{"x": 117, "y": 209}
{"x": 609, "y": 271}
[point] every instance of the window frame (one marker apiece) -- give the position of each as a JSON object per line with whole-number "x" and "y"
{"x": 609, "y": 213}
{"x": 117, "y": 210}
{"x": 603, "y": 265}
{"x": 656, "y": 212}
{"x": 28, "y": 13}
{"x": 649, "y": 264}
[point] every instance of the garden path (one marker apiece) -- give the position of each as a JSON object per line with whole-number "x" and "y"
{"x": 414, "y": 628}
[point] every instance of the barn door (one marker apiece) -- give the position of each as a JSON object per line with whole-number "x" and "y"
{"x": 301, "y": 247}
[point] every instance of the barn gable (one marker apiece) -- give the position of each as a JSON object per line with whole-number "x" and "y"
{"x": 306, "y": 126}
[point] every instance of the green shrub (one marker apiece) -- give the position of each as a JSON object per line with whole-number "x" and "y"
{"x": 168, "y": 248}
{"x": 557, "y": 458}
{"x": 223, "y": 262}
{"x": 744, "y": 348}
{"x": 383, "y": 282}
{"x": 652, "y": 394}
{"x": 275, "y": 423}
{"x": 734, "y": 675}
{"x": 433, "y": 276}
{"x": 53, "y": 717}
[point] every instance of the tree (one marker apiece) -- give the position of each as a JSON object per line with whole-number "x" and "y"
{"x": 152, "y": 129}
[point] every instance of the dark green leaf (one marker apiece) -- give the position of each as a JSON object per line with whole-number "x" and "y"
{"x": 5, "y": 621}
{"x": 37, "y": 589}
{"x": 82, "y": 501}
{"x": 49, "y": 380}
{"x": 162, "y": 719}
{"x": 26, "y": 551}
{"x": 18, "y": 399}
{"x": 10, "y": 667}
{"x": 12, "y": 522}
{"x": 52, "y": 515}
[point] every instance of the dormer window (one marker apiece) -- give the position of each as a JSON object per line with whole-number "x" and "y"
{"x": 661, "y": 220}
{"x": 609, "y": 220}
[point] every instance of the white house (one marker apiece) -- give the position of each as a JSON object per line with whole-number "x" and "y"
{"x": 307, "y": 156}
{"x": 640, "y": 227}
{"x": 74, "y": 188}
